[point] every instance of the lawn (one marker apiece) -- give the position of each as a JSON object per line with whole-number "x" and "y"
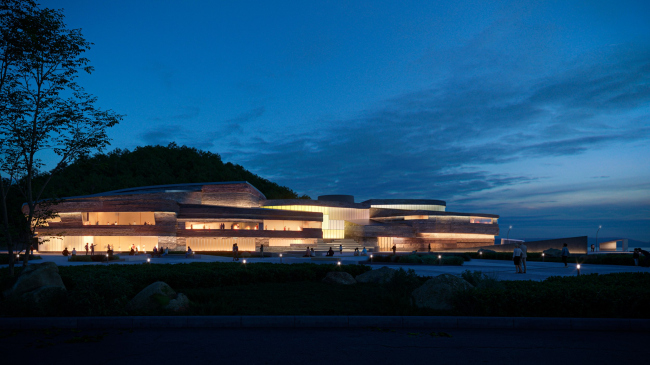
{"x": 272, "y": 289}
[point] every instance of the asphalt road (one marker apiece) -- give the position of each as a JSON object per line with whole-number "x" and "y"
{"x": 322, "y": 346}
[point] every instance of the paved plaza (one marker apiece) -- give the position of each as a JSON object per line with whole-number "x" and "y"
{"x": 502, "y": 269}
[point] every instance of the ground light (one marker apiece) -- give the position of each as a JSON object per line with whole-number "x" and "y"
{"x": 148, "y": 260}
{"x": 107, "y": 258}
{"x": 542, "y": 256}
{"x": 439, "y": 259}
{"x": 578, "y": 269}
{"x": 244, "y": 261}
{"x": 370, "y": 258}
{"x": 280, "y": 258}
{"x": 481, "y": 254}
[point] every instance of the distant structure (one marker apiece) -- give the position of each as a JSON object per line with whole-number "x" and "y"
{"x": 508, "y": 241}
{"x": 214, "y": 216}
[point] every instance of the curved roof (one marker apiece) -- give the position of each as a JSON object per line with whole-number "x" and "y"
{"x": 171, "y": 188}
{"x": 405, "y": 202}
{"x": 318, "y": 203}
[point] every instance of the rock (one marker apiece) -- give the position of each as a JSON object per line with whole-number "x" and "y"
{"x": 180, "y": 304}
{"x": 553, "y": 252}
{"x": 156, "y": 296}
{"x": 436, "y": 293}
{"x": 38, "y": 283}
{"x": 379, "y": 276}
{"x": 339, "y": 277}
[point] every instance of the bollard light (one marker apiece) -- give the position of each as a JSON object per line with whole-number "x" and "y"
{"x": 339, "y": 263}
{"x": 481, "y": 253}
{"x": 370, "y": 258}
{"x": 244, "y": 261}
{"x": 578, "y": 269}
{"x": 148, "y": 260}
{"x": 542, "y": 256}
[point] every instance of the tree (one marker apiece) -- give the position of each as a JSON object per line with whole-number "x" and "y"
{"x": 45, "y": 115}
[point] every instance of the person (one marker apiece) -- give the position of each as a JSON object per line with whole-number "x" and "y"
{"x": 593, "y": 247}
{"x": 31, "y": 249}
{"x": 330, "y": 252}
{"x": 189, "y": 251}
{"x": 312, "y": 252}
{"x": 429, "y": 248}
{"x": 92, "y": 248}
{"x": 394, "y": 249}
{"x": 565, "y": 254}
{"x": 524, "y": 251}
{"x": 236, "y": 252}
{"x": 646, "y": 259}
{"x": 65, "y": 252}
{"x": 356, "y": 251}
{"x": 166, "y": 250}
{"x": 74, "y": 251}
{"x": 635, "y": 256}
{"x": 262, "y": 250}
{"x": 341, "y": 249}
{"x": 307, "y": 253}
{"x": 364, "y": 252}
{"x": 234, "y": 255}
{"x": 155, "y": 251}
{"x": 516, "y": 257}
{"x": 132, "y": 253}
{"x": 86, "y": 248}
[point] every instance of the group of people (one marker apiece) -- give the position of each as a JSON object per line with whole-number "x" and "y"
{"x": 362, "y": 253}
{"x": 519, "y": 255}
{"x": 309, "y": 252}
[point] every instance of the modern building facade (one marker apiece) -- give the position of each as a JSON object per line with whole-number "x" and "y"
{"x": 213, "y": 216}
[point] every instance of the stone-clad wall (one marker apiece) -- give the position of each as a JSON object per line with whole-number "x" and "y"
{"x": 576, "y": 245}
{"x": 233, "y": 195}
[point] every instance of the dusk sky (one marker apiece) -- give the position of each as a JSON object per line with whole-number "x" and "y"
{"x": 538, "y": 111}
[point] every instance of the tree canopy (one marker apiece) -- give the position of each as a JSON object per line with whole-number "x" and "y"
{"x": 153, "y": 165}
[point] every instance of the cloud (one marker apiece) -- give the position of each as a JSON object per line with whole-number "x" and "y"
{"x": 437, "y": 142}
{"x": 164, "y": 133}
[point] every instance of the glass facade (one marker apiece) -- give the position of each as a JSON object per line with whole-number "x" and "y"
{"x": 118, "y": 218}
{"x": 435, "y": 208}
{"x": 117, "y": 243}
{"x": 220, "y": 243}
{"x": 333, "y": 217}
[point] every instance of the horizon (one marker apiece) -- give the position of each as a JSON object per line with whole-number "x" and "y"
{"x": 537, "y": 112}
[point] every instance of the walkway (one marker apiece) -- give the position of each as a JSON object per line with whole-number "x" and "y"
{"x": 502, "y": 269}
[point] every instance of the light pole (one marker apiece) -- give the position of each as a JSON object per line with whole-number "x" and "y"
{"x": 597, "y": 246}
{"x": 508, "y": 235}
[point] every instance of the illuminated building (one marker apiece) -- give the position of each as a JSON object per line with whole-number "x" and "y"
{"x": 213, "y": 216}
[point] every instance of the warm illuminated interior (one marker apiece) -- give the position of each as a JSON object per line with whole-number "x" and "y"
{"x": 223, "y": 225}
{"x": 117, "y": 243}
{"x": 414, "y": 217}
{"x": 118, "y": 218}
{"x": 435, "y": 208}
{"x": 480, "y": 220}
{"x": 333, "y": 218}
{"x": 220, "y": 243}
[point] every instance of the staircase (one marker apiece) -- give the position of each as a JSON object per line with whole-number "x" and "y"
{"x": 348, "y": 245}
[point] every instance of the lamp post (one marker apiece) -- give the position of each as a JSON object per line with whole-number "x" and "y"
{"x": 508, "y": 235}
{"x": 597, "y": 246}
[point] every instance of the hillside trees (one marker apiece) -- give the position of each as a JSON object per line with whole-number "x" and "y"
{"x": 46, "y": 118}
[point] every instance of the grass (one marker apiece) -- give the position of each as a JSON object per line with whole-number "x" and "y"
{"x": 272, "y": 289}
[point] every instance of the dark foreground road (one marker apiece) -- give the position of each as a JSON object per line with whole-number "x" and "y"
{"x": 321, "y": 346}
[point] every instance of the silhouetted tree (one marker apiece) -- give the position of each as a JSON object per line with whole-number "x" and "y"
{"x": 45, "y": 115}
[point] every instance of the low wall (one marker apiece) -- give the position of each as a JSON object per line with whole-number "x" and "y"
{"x": 576, "y": 245}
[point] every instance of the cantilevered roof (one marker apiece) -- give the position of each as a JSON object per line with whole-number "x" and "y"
{"x": 171, "y": 188}
{"x": 404, "y": 202}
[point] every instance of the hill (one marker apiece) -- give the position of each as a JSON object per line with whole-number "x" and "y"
{"x": 154, "y": 165}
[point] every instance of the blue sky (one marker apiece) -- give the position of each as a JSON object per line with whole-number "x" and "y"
{"x": 537, "y": 111}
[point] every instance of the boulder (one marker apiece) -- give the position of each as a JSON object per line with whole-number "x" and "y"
{"x": 180, "y": 304}
{"x": 436, "y": 293}
{"x": 379, "y": 276}
{"x": 157, "y": 296}
{"x": 339, "y": 277}
{"x": 553, "y": 252}
{"x": 37, "y": 283}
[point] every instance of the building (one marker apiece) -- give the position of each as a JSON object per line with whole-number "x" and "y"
{"x": 213, "y": 216}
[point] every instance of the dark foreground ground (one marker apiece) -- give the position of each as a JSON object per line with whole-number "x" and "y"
{"x": 322, "y": 346}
